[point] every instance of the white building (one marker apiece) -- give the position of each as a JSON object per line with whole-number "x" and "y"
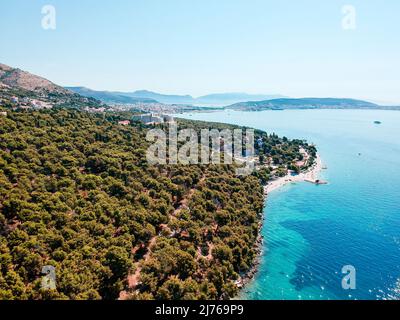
{"x": 153, "y": 118}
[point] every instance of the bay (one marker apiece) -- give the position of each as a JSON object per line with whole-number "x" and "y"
{"x": 310, "y": 231}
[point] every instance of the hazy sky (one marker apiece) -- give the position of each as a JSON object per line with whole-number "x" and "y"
{"x": 295, "y": 48}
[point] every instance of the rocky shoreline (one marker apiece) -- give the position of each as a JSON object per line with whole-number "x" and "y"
{"x": 258, "y": 247}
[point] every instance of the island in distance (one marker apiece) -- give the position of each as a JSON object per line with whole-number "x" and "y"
{"x": 308, "y": 103}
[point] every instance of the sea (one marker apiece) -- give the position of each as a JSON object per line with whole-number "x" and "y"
{"x": 339, "y": 241}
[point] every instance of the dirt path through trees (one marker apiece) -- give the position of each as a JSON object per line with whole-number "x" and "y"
{"x": 134, "y": 279}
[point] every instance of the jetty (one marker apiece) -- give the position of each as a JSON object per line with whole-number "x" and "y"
{"x": 317, "y": 181}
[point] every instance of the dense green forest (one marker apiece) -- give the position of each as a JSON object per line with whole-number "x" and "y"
{"x": 77, "y": 193}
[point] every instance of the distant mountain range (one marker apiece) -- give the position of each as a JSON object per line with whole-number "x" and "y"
{"x": 110, "y": 97}
{"x": 162, "y": 98}
{"x": 306, "y": 103}
{"x": 219, "y": 99}
{"x": 231, "y": 98}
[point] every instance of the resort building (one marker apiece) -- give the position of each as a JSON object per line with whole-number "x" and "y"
{"x": 152, "y": 118}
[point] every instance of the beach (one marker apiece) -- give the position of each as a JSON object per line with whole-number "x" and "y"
{"x": 310, "y": 175}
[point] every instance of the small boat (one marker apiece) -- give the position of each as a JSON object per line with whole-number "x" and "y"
{"x": 377, "y": 122}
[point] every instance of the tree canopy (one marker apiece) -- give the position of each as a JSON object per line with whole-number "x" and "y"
{"x": 76, "y": 193}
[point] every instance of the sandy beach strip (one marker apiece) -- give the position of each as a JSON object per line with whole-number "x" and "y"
{"x": 311, "y": 174}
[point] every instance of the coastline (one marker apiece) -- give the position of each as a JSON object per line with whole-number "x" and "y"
{"x": 309, "y": 175}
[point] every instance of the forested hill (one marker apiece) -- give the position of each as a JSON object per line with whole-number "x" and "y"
{"x": 26, "y": 88}
{"x": 76, "y": 193}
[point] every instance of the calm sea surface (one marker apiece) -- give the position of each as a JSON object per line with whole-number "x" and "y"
{"x": 310, "y": 231}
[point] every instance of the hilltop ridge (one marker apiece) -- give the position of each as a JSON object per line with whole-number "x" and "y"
{"x": 18, "y": 85}
{"x": 17, "y": 78}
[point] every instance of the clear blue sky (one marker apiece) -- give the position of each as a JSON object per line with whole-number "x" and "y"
{"x": 295, "y": 48}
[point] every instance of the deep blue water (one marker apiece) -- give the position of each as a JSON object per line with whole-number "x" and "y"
{"x": 311, "y": 231}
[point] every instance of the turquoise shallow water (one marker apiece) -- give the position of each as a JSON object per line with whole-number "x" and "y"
{"x": 311, "y": 231}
